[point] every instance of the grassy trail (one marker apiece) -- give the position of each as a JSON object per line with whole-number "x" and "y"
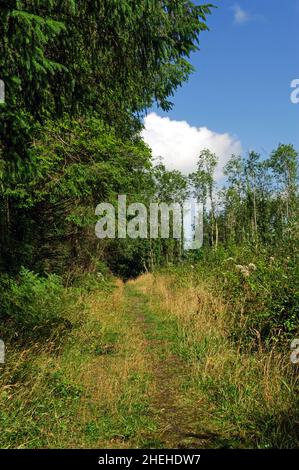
{"x": 175, "y": 411}
{"x": 147, "y": 364}
{"x": 116, "y": 380}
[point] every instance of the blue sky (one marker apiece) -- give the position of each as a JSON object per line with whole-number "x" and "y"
{"x": 244, "y": 69}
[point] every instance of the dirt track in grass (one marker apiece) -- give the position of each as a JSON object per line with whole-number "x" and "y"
{"x": 175, "y": 410}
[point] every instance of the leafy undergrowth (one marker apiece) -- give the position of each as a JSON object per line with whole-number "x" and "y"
{"x": 259, "y": 284}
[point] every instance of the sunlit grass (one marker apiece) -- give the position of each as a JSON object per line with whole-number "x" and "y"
{"x": 91, "y": 393}
{"x": 250, "y": 399}
{"x": 143, "y": 362}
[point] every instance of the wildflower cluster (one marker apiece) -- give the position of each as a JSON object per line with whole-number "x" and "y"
{"x": 246, "y": 270}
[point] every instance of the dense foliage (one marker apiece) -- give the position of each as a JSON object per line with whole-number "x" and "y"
{"x": 78, "y": 77}
{"x": 251, "y": 224}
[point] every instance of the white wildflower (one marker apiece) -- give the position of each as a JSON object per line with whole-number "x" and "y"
{"x": 239, "y": 267}
{"x": 244, "y": 270}
{"x": 252, "y": 267}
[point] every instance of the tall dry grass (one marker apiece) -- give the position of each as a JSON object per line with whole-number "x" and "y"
{"x": 251, "y": 398}
{"x": 88, "y": 393}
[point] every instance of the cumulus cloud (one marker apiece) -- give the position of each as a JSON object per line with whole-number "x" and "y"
{"x": 179, "y": 144}
{"x": 240, "y": 16}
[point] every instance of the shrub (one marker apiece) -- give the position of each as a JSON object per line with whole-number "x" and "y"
{"x": 260, "y": 286}
{"x": 33, "y": 303}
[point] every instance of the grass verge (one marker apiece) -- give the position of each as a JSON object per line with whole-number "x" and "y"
{"x": 92, "y": 391}
{"x": 247, "y": 399}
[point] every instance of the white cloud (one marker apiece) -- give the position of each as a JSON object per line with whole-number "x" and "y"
{"x": 179, "y": 144}
{"x": 240, "y": 16}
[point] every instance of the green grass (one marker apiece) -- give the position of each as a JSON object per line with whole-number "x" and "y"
{"x": 249, "y": 399}
{"x": 92, "y": 392}
{"x": 149, "y": 365}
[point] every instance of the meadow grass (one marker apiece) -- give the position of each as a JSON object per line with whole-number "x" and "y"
{"x": 249, "y": 398}
{"x": 91, "y": 392}
{"x": 152, "y": 363}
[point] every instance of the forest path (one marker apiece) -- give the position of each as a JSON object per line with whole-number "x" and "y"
{"x": 174, "y": 408}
